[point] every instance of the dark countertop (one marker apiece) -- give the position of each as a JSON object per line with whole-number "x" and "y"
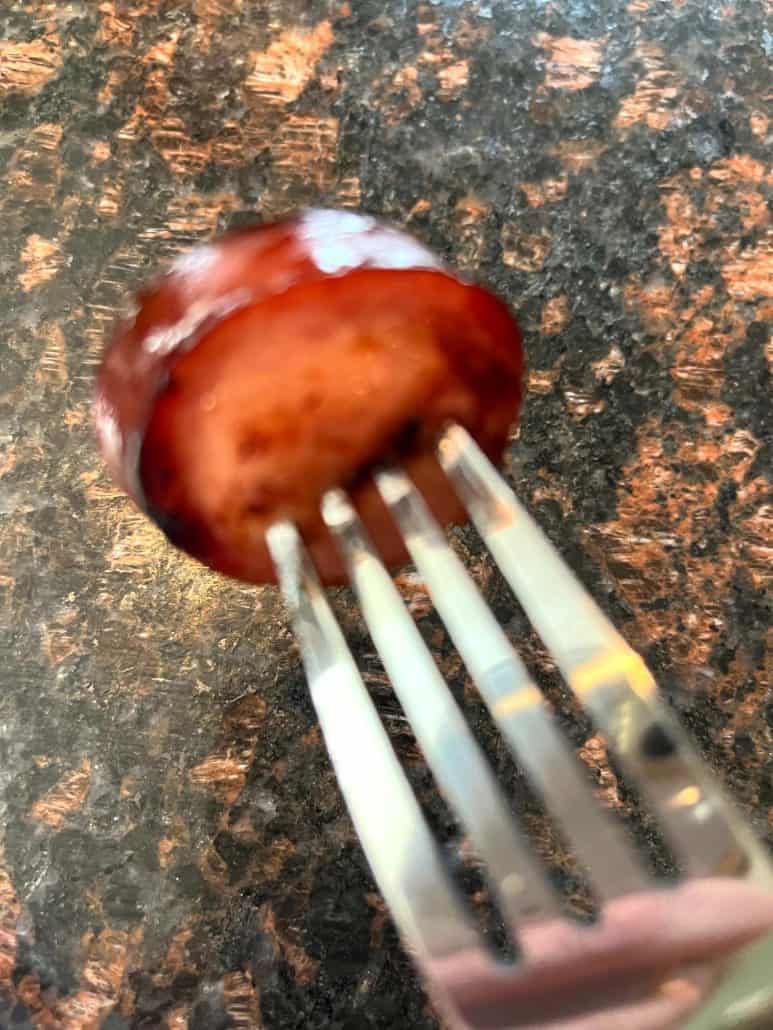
{"x": 173, "y": 849}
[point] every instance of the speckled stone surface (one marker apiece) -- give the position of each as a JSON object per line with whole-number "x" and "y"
{"x": 174, "y": 852}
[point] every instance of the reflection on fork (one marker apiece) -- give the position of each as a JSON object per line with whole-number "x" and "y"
{"x": 695, "y": 955}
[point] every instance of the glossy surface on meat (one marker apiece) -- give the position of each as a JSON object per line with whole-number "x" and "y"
{"x": 281, "y": 361}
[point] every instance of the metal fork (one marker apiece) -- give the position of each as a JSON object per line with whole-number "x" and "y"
{"x": 698, "y": 955}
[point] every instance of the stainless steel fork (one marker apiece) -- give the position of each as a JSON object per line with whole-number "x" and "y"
{"x": 697, "y": 955}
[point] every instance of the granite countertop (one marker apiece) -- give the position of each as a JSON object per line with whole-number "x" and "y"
{"x": 174, "y": 852}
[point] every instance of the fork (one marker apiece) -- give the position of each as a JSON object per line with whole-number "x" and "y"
{"x": 698, "y": 955}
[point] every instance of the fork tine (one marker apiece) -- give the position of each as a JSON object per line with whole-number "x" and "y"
{"x": 452, "y": 753}
{"x": 514, "y": 701}
{"x": 607, "y": 676}
{"x": 389, "y": 823}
